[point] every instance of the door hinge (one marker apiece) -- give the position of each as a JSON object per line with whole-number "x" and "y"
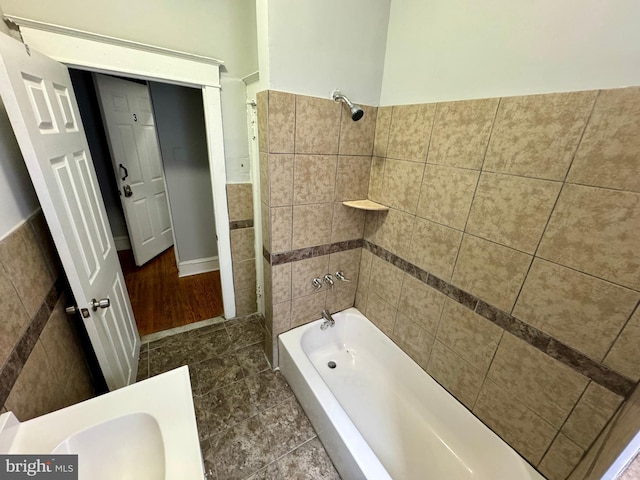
{"x": 15, "y": 32}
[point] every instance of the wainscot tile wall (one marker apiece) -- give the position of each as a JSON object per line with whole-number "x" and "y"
{"x": 507, "y": 265}
{"x": 240, "y": 204}
{"x": 43, "y": 366}
{"x": 618, "y": 433}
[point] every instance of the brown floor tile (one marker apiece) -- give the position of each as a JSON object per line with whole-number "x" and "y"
{"x": 161, "y": 360}
{"x": 287, "y": 426}
{"x": 201, "y": 423}
{"x": 223, "y": 408}
{"x": 245, "y": 332}
{"x": 216, "y": 372}
{"x": 308, "y": 462}
{"x": 240, "y": 451}
{"x": 267, "y": 389}
{"x": 186, "y": 348}
{"x": 252, "y": 359}
{"x": 171, "y": 342}
{"x": 247, "y": 415}
{"x": 270, "y": 472}
{"x": 143, "y": 365}
{"x": 209, "y": 345}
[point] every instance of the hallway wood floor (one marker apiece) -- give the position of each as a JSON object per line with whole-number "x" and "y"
{"x": 161, "y": 300}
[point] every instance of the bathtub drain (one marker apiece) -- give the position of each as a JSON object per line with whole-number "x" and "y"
{"x": 332, "y": 364}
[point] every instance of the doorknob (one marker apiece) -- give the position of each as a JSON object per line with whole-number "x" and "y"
{"x": 127, "y": 191}
{"x": 102, "y": 303}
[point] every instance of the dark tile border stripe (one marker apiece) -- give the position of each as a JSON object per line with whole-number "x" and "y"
{"x": 20, "y": 354}
{"x": 577, "y": 361}
{"x": 582, "y": 364}
{"x": 238, "y": 224}
{"x": 309, "y": 252}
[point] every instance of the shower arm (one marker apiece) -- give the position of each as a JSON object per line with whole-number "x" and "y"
{"x": 339, "y": 97}
{"x": 356, "y": 110}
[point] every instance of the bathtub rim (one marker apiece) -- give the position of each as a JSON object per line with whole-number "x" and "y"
{"x": 365, "y": 463}
{"x": 292, "y": 341}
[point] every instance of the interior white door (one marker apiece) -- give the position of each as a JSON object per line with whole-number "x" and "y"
{"x": 41, "y": 104}
{"x": 135, "y": 153}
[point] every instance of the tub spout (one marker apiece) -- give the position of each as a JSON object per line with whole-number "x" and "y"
{"x": 328, "y": 320}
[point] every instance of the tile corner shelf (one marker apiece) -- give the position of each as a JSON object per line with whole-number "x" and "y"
{"x": 365, "y": 205}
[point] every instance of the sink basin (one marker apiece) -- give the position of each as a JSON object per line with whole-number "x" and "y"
{"x": 127, "y": 447}
{"x": 141, "y": 432}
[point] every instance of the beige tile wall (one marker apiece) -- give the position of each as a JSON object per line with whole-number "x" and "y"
{"x": 240, "y": 205}
{"x": 55, "y": 374}
{"x": 312, "y": 157}
{"x": 239, "y": 201}
{"x": 612, "y": 440}
{"x": 532, "y": 204}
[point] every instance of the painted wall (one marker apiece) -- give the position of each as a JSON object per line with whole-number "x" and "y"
{"x": 17, "y": 197}
{"x": 223, "y": 29}
{"x": 180, "y": 122}
{"x": 461, "y": 49}
{"x": 234, "y": 119}
{"x": 316, "y": 47}
{"x": 262, "y": 29}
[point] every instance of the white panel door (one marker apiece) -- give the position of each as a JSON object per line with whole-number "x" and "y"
{"x": 39, "y": 99}
{"x": 135, "y": 153}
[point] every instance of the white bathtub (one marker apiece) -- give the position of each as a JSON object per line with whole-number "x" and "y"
{"x": 380, "y": 416}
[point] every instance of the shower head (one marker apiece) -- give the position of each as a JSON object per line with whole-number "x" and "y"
{"x": 356, "y": 111}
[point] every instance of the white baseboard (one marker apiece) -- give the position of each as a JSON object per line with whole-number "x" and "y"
{"x": 199, "y": 265}
{"x": 122, "y": 242}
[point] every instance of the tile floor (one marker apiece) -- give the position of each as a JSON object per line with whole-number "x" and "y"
{"x": 250, "y": 424}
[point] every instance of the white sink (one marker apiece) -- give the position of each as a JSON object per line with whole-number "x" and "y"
{"x": 146, "y": 431}
{"x": 125, "y": 447}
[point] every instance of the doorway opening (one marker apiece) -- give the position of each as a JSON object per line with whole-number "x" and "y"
{"x": 178, "y": 285}
{"x": 40, "y": 101}
{"x": 162, "y": 300}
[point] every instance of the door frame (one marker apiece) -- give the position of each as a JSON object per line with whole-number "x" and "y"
{"x": 251, "y": 82}
{"x": 104, "y": 54}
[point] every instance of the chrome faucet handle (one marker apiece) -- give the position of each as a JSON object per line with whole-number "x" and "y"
{"x": 317, "y": 283}
{"x": 328, "y": 279}
{"x": 340, "y": 276}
